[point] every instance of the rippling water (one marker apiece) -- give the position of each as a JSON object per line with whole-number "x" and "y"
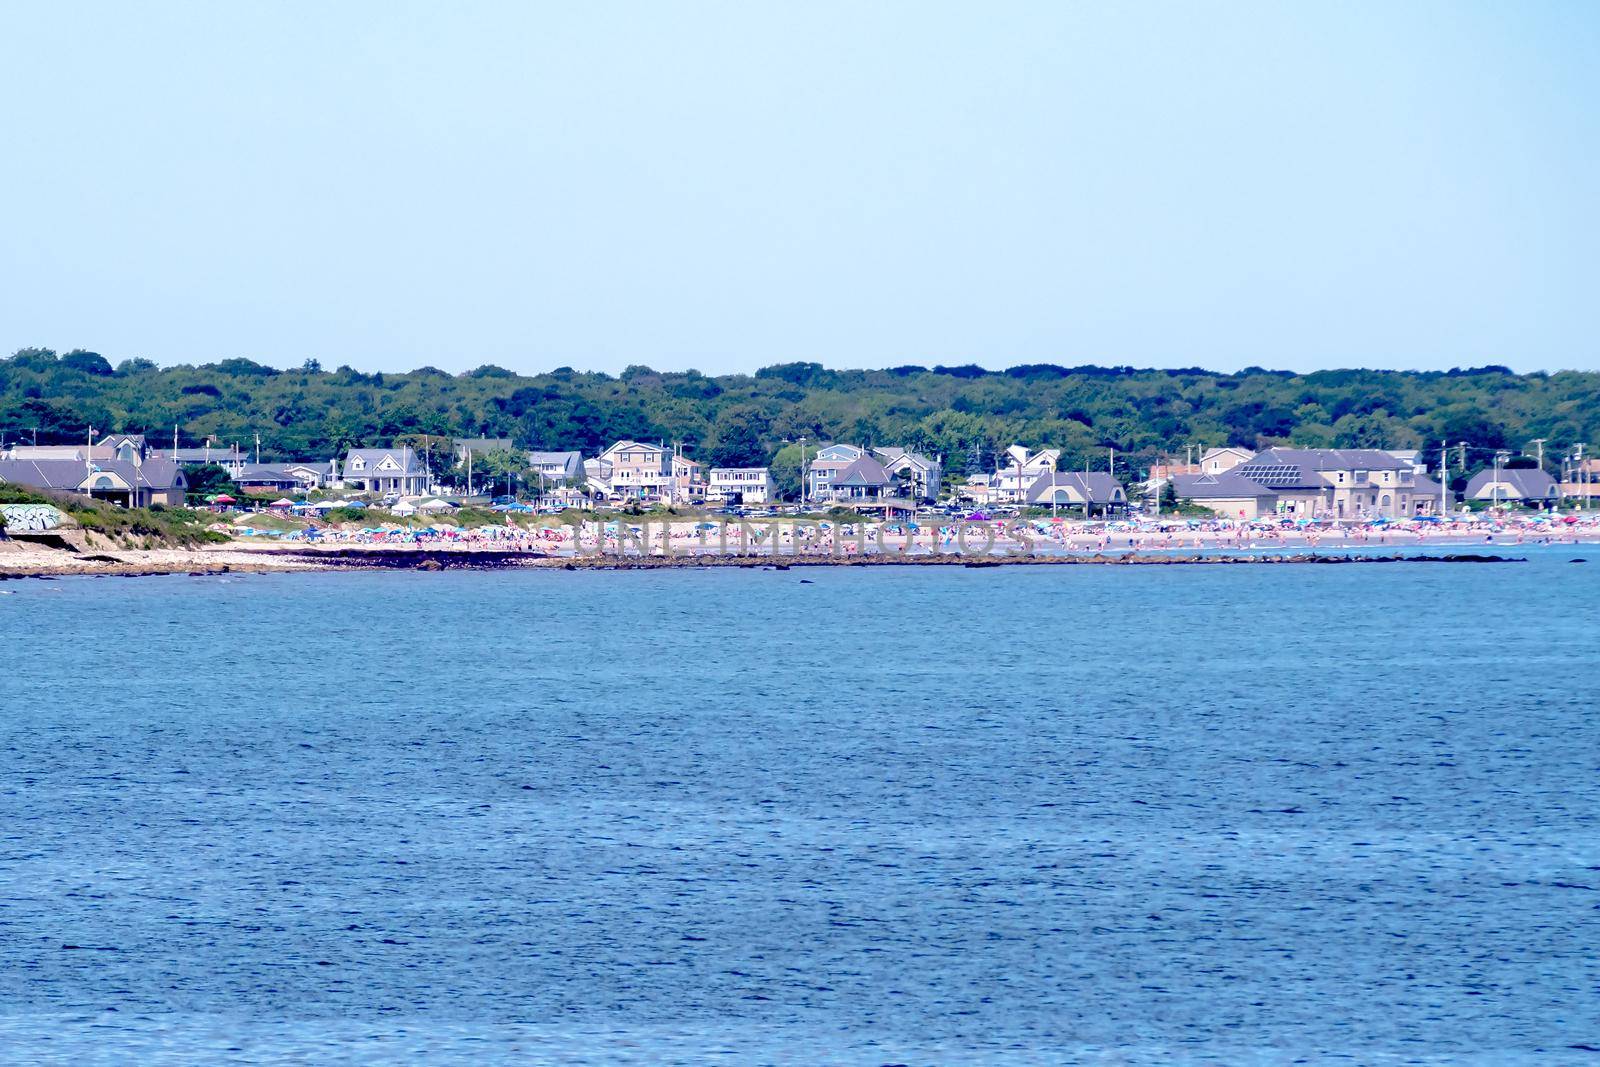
{"x": 1224, "y": 815}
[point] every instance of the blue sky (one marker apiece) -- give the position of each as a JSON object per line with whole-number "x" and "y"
{"x": 725, "y": 186}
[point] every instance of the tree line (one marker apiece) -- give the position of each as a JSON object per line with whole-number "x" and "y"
{"x": 964, "y": 413}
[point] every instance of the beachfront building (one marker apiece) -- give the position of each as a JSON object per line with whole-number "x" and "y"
{"x": 385, "y": 470}
{"x": 1580, "y": 480}
{"x": 1334, "y": 483}
{"x": 284, "y": 477}
{"x": 922, "y": 476}
{"x": 556, "y": 468}
{"x": 266, "y": 478}
{"x": 864, "y": 481}
{"x": 152, "y": 481}
{"x": 688, "y": 481}
{"x": 1070, "y": 489}
{"x": 1017, "y": 470}
{"x": 1222, "y": 460}
{"x": 740, "y": 485}
{"x": 1228, "y": 494}
{"x": 830, "y": 461}
{"x": 312, "y": 474}
{"x": 1528, "y": 487}
{"x": 636, "y": 471}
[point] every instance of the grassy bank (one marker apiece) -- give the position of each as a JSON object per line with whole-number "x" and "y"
{"x": 153, "y": 527}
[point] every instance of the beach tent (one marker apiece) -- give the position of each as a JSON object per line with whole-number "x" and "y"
{"x": 285, "y": 503}
{"x": 403, "y": 508}
{"x": 356, "y": 504}
{"x": 324, "y": 505}
{"x": 435, "y": 506}
{"x": 223, "y": 499}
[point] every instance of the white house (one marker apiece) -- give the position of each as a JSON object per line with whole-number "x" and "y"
{"x": 385, "y": 470}
{"x": 740, "y": 485}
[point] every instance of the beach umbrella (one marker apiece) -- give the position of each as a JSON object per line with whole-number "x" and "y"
{"x": 281, "y": 504}
{"x": 223, "y": 499}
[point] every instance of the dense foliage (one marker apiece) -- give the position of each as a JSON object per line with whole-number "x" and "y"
{"x": 964, "y": 413}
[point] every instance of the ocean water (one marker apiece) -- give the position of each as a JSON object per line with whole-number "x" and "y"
{"x": 1103, "y": 815}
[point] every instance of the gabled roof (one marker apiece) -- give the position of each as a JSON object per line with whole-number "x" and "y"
{"x": 894, "y": 458}
{"x": 1229, "y": 485}
{"x": 630, "y": 446}
{"x": 371, "y": 457}
{"x": 68, "y": 475}
{"x": 863, "y": 473}
{"x": 1307, "y": 468}
{"x": 1095, "y": 487}
{"x": 1525, "y": 483}
{"x": 265, "y": 474}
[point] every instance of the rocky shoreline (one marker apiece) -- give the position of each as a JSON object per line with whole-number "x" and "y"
{"x": 231, "y": 560}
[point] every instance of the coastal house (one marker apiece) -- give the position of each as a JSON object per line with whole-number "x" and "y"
{"x": 266, "y": 477}
{"x": 1581, "y": 480}
{"x": 1334, "y": 483}
{"x": 313, "y": 474}
{"x": 154, "y": 481}
{"x": 829, "y": 462}
{"x": 556, "y": 468}
{"x": 924, "y": 477}
{"x": 864, "y": 481}
{"x": 385, "y": 470}
{"x": 597, "y": 477}
{"x": 688, "y": 480}
{"x": 1222, "y": 460}
{"x": 1092, "y": 491}
{"x": 1228, "y": 494}
{"x": 1017, "y": 470}
{"x": 1528, "y": 487}
{"x": 740, "y": 485}
{"x": 638, "y": 471}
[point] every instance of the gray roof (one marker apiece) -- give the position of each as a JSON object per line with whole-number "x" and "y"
{"x": 1095, "y": 487}
{"x": 892, "y": 456}
{"x": 483, "y": 444}
{"x": 407, "y": 459}
{"x": 219, "y": 456}
{"x": 1228, "y": 485}
{"x": 863, "y": 472}
{"x": 1526, "y": 484}
{"x": 1425, "y": 486}
{"x": 67, "y": 474}
{"x": 265, "y": 473}
{"x": 1299, "y": 468}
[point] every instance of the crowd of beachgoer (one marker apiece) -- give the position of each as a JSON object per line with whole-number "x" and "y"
{"x": 788, "y": 536}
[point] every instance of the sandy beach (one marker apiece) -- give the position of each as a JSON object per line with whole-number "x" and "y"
{"x": 688, "y": 547}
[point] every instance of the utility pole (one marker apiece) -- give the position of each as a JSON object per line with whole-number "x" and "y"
{"x": 1583, "y": 481}
{"x": 1539, "y": 441}
{"x": 1499, "y": 491}
{"x": 1113, "y": 466}
{"x": 174, "y": 442}
{"x": 1444, "y": 478}
{"x": 258, "y": 450}
{"x": 1461, "y": 453}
